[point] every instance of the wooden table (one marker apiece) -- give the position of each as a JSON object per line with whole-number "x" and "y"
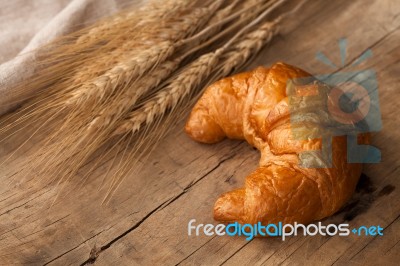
{"x": 146, "y": 221}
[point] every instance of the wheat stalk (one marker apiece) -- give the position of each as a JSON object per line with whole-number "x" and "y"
{"x": 122, "y": 102}
{"x": 93, "y": 81}
{"x": 179, "y": 87}
{"x": 131, "y": 76}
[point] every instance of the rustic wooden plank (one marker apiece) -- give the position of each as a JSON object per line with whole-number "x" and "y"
{"x": 28, "y": 226}
{"x": 146, "y": 221}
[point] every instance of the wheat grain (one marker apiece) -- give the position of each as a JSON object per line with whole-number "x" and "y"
{"x": 120, "y": 74}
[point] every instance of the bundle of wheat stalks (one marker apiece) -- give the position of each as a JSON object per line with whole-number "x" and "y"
{"x": 129, "y": 78}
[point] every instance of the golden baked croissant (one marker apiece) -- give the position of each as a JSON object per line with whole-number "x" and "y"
{"x": 254, "y": 106}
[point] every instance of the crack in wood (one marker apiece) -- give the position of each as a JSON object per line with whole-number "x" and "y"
{"x": 194, "y": 182}
{"x": 56, "y": 258}
{"x": 94, "y": 255}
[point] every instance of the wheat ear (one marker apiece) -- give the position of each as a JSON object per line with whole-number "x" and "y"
{"x": 241, "y": 52}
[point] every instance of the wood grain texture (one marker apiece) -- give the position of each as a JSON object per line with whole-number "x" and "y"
{"x": 146, "y": 221}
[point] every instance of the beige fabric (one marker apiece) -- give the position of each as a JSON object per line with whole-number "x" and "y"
{"x": 25, "y": 25}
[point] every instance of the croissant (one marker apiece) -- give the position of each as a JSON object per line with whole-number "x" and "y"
{"x": 254, "y": 106}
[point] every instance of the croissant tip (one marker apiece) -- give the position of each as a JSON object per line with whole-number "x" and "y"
{"x": 229, "y": 206}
